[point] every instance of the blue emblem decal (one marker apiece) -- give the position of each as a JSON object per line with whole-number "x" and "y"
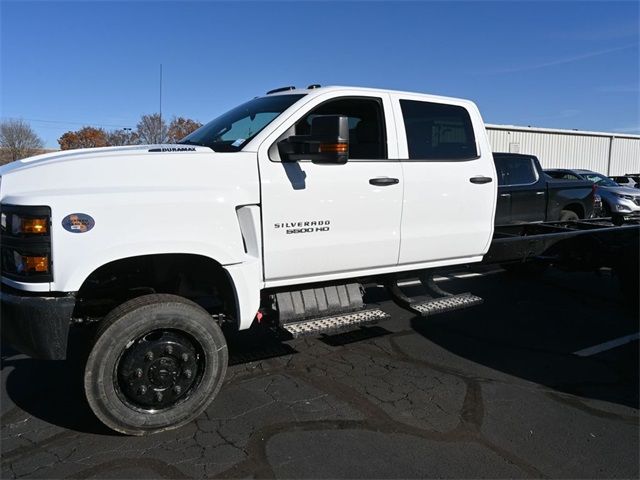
{"x": 78, "y": 223}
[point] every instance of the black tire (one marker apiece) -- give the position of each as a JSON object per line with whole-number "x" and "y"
{"x": 568, "y": 216}
{"x": 527, "y": 269}
{"x": 123, "y": 329}
{"x": 616, "y": 218}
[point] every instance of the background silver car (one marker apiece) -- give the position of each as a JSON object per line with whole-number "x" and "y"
{"x": 628, "y": 180}
{"x": 617, "y": 201}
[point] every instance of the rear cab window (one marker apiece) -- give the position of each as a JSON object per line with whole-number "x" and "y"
{"x": 560, "y": 175}
{"x": 438, "y": 132}
{"x": 515, "y": 170}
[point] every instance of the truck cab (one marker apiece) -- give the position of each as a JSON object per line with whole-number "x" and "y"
{"x": 156, "y": 246}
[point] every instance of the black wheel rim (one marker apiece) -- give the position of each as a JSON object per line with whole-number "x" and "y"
{"x": 159, "y": 370}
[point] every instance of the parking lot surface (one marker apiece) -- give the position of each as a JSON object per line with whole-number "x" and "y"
{"x": 512, "y": 388}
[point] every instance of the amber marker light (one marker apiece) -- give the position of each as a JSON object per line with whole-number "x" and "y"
{"x": 36, "y": 264}
{"x": 334, "y": 147}
{"x": 36, "y": 226}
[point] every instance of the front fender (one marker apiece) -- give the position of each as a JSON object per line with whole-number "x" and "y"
{"x": 74, "y": 275}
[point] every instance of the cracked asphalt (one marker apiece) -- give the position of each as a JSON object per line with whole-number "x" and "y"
{"x": 493, "y": 391}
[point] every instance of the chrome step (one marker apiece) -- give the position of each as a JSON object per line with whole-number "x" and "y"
{"x": 336, "y": 323}
{"x": 445, "y": 304}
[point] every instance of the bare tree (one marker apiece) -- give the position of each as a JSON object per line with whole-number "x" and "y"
{"x": 123, "y": 136}
{"x": 19, "y": 139}
{"x": 152, "y": 129}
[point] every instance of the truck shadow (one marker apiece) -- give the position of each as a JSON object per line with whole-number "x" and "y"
{"x": 51, "y": 391}
{"x": 531, "y": 328}
{"x": 527, "y": 328}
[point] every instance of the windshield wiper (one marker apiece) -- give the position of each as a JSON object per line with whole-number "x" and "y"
{"x": 190, "y": 142}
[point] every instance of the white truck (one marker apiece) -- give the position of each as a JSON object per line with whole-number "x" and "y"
{"x": 274, "y": 212}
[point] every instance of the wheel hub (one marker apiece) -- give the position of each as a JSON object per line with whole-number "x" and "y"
{"x": 159, "y": 369}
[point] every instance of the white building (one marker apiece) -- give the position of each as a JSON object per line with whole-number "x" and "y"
{"x": 608, "y": 153}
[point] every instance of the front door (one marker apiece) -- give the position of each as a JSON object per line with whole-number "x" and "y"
{"x": 322, "y": 221}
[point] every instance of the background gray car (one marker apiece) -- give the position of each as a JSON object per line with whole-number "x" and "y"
{"x": 617, "y": 201}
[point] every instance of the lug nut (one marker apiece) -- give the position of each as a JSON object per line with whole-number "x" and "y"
{"x": 185, "y": 357}
{"x": 138, "y": 372}
{"x": 158, "y": 396}
{"x": 177, "y": 389}
{"x": 168, "y": 350}
{"x": 148, "y": 356}
{"x": 187, "y": 373}
{"x": 142, "y": 390}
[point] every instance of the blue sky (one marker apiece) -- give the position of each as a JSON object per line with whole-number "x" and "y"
{"x": 562, "y": 64}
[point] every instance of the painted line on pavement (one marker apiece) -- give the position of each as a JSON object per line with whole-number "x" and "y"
{"x": 603, "y": 347}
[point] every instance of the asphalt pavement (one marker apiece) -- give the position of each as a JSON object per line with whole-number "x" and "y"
{"x": 526, "y": 385}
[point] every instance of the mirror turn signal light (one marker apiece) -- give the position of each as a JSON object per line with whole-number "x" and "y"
{"x": 334, "y": 147}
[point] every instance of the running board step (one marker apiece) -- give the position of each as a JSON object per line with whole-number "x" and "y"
{"x": 335, "y": 323}
{"x": 437, "y": 300}
{"x": 445, "y": 304}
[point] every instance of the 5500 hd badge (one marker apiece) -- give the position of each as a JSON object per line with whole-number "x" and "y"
{"x": 304, "y": 227}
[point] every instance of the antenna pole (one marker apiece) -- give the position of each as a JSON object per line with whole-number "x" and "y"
{"x": 161, "y": 96}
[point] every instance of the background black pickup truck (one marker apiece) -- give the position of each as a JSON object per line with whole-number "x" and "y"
{"x": 527, "y": 194}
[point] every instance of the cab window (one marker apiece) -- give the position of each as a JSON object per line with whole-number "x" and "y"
{"x": 515, "y": 170}
{"x": 367, "y": 139}
{"x": 563, "y": 176}
{"x": 437, "y": 131}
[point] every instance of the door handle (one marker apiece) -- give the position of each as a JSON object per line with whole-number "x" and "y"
{"x": 539, "y": 193}
{"x": 383, "y": 181}
{"x": 505, "y": 194}
{"x": 480, "y": 180}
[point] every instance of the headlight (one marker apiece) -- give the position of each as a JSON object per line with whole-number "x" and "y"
{"x": 29, "y": 226}
{"x": 626, "y": 197}
{"x": 25, "y": 233}
{"x": 16, "y": 263}
{"x": 621, "y": 208}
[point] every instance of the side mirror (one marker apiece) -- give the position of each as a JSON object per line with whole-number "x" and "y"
{"x": 327, "y": 143}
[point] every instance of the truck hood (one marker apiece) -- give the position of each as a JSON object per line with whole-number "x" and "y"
{"x": 620, "y": 190}
{"x": 84, "y": 154}
{"x": 139, "y": 168}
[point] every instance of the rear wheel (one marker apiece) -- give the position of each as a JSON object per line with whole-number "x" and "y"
{"x": 156, "y": 364}
{"x": 568, "y": 216}
{"x": 529, "y": 269}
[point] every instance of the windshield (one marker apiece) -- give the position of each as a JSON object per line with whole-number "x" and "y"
{"x": 600, "y": 180}
{"x": 232, "y": 130}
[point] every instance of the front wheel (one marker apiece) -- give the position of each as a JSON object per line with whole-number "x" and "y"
{"x": 568, "y": 216}
{"x": 156, "y": 364}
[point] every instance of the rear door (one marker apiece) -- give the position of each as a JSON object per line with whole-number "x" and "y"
{"x": 450, "y": 187}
